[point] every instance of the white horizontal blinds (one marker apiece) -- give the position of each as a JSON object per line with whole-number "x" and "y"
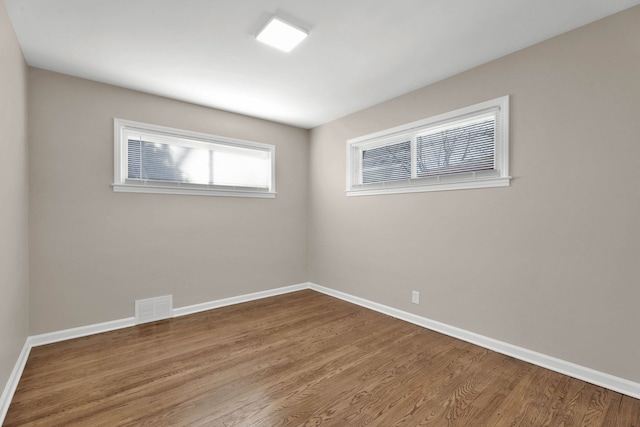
{"x": 157, "y": 158}
{"x": 134, "y": 159}
{"x": 387, "y": 163}
{"x": 463, "y": 147}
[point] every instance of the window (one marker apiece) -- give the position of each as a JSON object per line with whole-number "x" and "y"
{"x": 156, "y": 159}
{"x": 466, "y": 148}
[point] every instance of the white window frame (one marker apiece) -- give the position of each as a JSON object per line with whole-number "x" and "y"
{"x": 497, "y": 177}
{"x": 183, "y": 137}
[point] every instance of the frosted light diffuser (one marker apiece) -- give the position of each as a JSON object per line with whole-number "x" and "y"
{"x": 281, "y": 35}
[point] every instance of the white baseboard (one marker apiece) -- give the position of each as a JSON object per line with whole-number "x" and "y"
{"x": 14, "y": 379}
{"x": 196, "y": 308}
{"x": 589, "y": 375}
{"x": 82, "y": 331}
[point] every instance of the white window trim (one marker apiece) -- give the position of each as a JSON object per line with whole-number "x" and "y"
{"x": 499, "y": 178}
{"x": 121, "y": 185}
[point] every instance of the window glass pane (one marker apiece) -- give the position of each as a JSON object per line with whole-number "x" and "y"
{"x": 463, "y": 148}
{"x": 387, "y": 163}
{"x": 241, "y": 168}
{"x": 194, "y": 164}
{"x": 164, "y": 162}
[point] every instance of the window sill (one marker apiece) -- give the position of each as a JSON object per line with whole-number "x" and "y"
{"x": 129, "y": 188}
{"x": 444, "y": 186}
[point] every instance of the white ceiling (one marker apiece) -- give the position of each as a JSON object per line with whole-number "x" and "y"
{"x": 358, "y": 53}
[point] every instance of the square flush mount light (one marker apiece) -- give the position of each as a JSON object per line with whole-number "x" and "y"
{"x": 281, "y": 35}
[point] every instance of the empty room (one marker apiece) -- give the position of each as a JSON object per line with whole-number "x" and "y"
{"x": 305, "y": 213}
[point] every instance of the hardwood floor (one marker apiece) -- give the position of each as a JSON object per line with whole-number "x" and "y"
{"x": 301, "y": 359}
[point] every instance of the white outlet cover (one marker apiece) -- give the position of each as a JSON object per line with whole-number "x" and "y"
{"x": 415, "y": 297}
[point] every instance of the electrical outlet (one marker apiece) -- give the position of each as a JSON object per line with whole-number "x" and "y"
{"x": 415, "y": 297}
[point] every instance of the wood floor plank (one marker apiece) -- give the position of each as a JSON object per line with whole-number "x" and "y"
{"x": 301, "y": 359}
{"x": 626, "y": 413}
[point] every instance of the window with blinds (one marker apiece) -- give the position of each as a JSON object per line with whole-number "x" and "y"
{"x": 466, "y": 148}
{"x": 154, "y": 159}
{"x": 387, "y": 163}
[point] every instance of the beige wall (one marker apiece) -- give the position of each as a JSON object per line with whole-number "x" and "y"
{"x": 93, "y": 251}
{"x": 550, "y": 263}
{"x": 14, "y": 281}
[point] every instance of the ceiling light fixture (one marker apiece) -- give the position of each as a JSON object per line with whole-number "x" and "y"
{"x": 281, "y": 35}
